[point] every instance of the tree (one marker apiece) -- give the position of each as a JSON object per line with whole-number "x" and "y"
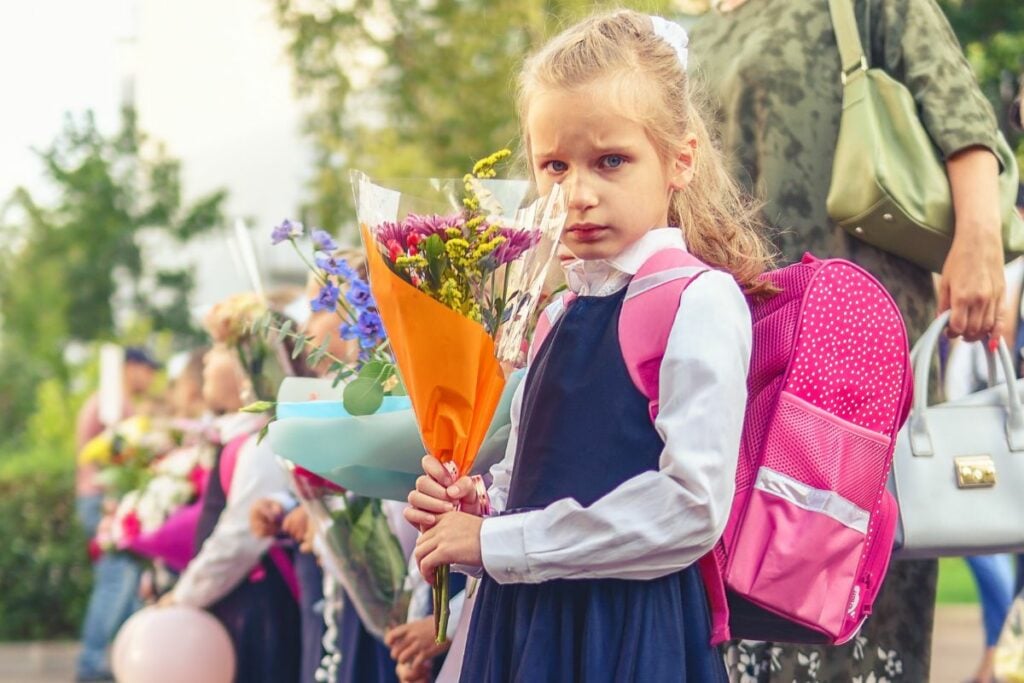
{"x": 61, "y": 262}
{"x": 992, "y": 33}
{"x": 411, "y": 88}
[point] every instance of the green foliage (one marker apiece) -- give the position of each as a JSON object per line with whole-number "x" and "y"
{"x": 992, "y": 33}
{"x": 363, "y": 396}
{"x": 108, "y": 190}
{"x": 45, "y": 572}
{"x": 404, "y": 88}
{"x": 62, "y": 261}
{"x": 956, "y": 584}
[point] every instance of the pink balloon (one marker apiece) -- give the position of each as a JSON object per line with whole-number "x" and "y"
{"x": 173, "y": 645}
{"x": 117, "y": 650}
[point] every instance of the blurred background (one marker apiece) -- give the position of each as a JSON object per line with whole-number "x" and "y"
{"x": 134, "y": 134}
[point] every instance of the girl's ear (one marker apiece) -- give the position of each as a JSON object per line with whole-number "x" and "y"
{"x": 681, "y": 168}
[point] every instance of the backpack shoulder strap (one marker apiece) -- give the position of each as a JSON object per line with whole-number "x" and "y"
{"x": 548, "y": 318}
{"x": 648, "y": 313}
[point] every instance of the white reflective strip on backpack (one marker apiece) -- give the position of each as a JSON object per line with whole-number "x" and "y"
{"x": 640, "y": 285}
{"x": 828, "y": 503}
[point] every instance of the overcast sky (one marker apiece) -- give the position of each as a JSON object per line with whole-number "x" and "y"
{"x": 55, "y": 56}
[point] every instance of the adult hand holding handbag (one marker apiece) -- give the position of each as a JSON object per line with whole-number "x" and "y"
{"x": 889, "y": 184}
{"x": 958, "y": 467}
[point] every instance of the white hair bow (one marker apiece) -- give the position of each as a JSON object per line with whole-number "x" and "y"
{"x": 673, "y": 34}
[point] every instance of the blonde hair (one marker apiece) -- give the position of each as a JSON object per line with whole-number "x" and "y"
{"x": 720, "y": 223}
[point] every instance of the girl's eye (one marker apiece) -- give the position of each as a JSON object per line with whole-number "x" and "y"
{"x": 613, "y": 160}
{"x": 556, "y": 166}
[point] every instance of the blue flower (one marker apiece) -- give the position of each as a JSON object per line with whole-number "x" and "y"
{"x": 336, "y": 266}
{"x": 287, "y": 230}
{"x": 359, "y": 294}
{"x": 370, "y": 329}
{"x": 322, "y": 240}
{"x": 326, "y": 300}
{"x": 348, "y": 331}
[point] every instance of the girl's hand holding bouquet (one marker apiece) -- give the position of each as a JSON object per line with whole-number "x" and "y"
{"x": 449, "y": 511}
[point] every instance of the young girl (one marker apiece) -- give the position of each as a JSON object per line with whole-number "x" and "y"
{"x": 598, "y": 514}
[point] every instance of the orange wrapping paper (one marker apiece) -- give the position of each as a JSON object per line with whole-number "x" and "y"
{"x": 446, "y": 361}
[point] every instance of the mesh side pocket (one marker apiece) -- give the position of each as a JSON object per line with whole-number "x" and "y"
{"x": 826, "y": 452}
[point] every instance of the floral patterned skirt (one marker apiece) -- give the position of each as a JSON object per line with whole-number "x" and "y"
{"x": 894, "y": 645}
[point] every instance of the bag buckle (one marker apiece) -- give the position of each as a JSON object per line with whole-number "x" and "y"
{"x": 844, "y": 75}
{"x": 975, "y": 471}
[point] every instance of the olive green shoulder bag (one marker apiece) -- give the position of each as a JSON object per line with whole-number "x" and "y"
{"x": 889, "y": 184}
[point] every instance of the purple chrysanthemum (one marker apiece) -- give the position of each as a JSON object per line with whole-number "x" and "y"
{"x": 388, "y": 232}
{"x": 287, "y": 230}
{"x": 516, "y": 243}
{"x": 419, "y": 225}
{"x": 425, "y": 226}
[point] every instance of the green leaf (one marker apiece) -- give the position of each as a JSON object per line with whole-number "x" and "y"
{"x": 363, "y": 396}
{"x": 437, "y": 259}
{"x": 259, "y": 407}
{"x": 263, "y": 434}
{"x": 300, "y": 345}
{"x": 287, "y": 327}
{"x": 319, "y": 353}
{"x": 376, "y": 370}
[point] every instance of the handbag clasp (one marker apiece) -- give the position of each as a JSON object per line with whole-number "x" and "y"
{"x": 975, "y": 471}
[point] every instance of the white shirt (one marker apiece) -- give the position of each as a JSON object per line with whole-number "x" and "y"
{"x": 230, "y": 553}
{"x": 657, "y": 522}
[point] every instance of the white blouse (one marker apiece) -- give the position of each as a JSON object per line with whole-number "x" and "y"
{"x": 657, "y": 522}
{"x": 232, "y": 551}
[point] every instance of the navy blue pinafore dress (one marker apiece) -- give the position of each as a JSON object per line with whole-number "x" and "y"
{"x": 261, "y": 617}
{"x": 584, "y": 430}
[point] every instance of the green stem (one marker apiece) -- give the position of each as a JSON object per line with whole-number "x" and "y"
{"x": 441, "y": 600}
{"x": 306, "y": 342}
{"x": 308, "y": 263}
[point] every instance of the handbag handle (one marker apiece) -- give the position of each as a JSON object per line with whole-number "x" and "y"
{"x": 920, "y": 358}
{"x": 851, "y": 52}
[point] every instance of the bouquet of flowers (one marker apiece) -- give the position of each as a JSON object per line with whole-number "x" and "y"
{"x": 456, "y": 269}
{"x": 125, "y": 451}
{"x": 169, "y": 506}
{"x": 370, "y": 564}
{"x": 364, "y": 553}
{"x": 152, "y": 482}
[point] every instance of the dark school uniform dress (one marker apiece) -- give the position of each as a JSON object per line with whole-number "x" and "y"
{"x": 584, "y": 430}
{"x": 261, "y": 616}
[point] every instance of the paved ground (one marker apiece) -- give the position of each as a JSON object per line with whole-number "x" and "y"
{"x": 957, "y": 648}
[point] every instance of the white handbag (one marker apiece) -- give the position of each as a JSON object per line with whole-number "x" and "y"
{"x": 958, "y": 467}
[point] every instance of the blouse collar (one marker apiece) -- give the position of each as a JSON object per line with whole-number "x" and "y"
{"x": 607, "y": 276}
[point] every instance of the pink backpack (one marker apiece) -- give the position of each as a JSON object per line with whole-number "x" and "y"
{"x": 810, "y": 534}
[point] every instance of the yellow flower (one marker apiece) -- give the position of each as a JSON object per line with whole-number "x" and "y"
{"x": 451, "y": 294}
{"x": 98, "y": 449}
{"x": 414, "y": 262}
{"x": 456, "y": 248}
{"x": 485, "y": 167}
